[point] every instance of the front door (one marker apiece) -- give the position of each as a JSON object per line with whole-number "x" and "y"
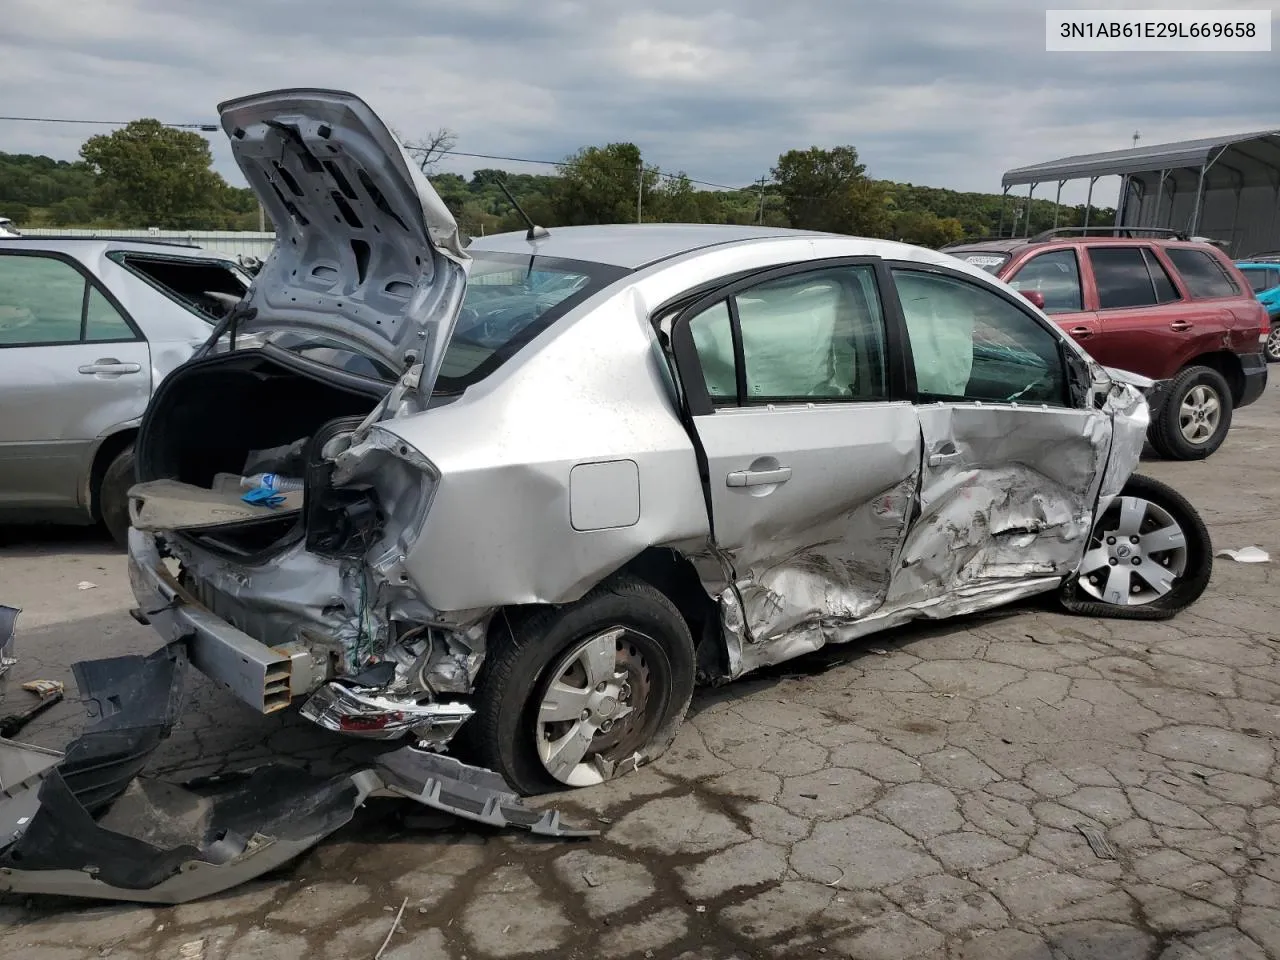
{"x": 810, "y": 468}
{"x": 71, "y": 367}
{"x": 1010, "y": 465}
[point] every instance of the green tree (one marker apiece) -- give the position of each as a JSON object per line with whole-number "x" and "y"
{"x": 926, "y": 229}
{"x": 150, "y": 175}
{"x": 601, "y": 184}
{"x": 830, "y": 190}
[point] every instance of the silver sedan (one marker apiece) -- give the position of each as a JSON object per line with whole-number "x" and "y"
{"x": 583, "y": 469}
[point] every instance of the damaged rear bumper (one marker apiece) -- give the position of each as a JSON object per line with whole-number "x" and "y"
{"x": 87, "y": 824}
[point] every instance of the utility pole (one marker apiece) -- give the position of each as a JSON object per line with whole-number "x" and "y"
{"x": 760, "y": 213}
{"x": 640, "y": 192}
{"x": 262, "y": 218}
{"x": 1137, "y": 135}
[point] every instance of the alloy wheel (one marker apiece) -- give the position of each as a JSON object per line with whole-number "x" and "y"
{"x": 1199, "y": 414}
{"x": 1136, "y": 554}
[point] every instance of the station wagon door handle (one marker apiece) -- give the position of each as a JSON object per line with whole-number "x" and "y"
{"x": 758, "y": 478}
{"x": 110, "y": 365}
{"x": 1081, "y": 333}
{"x": 1179, "y": 326}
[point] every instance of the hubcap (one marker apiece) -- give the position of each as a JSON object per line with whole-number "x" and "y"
{"x": 1199, "y": 414}
{"x": 1273, "y": 343}
{"x": 593, "y": 710}
{"x": 1136, "y": 554}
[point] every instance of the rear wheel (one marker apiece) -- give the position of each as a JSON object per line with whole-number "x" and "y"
{"x": 1195, "y": 418}
{"x": 113, "y": 495}
{"x": 1272, "y": 349}
{"x": 579, "y": 694}
{"x": 1149, "y": 557}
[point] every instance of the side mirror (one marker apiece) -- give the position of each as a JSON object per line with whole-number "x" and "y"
{"x": 1035, "y": 296}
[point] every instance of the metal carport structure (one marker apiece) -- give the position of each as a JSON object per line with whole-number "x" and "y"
{"x": 1226, "y": 188}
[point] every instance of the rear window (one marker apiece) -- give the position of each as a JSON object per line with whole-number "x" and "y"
{"x": 989, "y": 260}
{"x": 208, "y": 288}
{"x": 1260, "y": 280}
{"x": 1202, "y": 273}
{"x": 510, "y": 299}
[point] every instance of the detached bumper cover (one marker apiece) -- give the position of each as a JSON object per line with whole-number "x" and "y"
{"x": 85, "y": 824}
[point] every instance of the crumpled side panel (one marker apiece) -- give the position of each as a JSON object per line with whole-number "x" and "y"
{"x": 1130, "y": 418}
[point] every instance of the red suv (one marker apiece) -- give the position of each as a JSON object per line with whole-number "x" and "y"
{"x": 1172, "y": 309}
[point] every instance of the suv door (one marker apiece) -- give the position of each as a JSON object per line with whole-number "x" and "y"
{"x": 1146, "y": 323}
{"x": 72, "y": 366}
{"x": 1012, "y": 452}
{"x": 1055, "y": 275}
{"x": 810, "y": 466}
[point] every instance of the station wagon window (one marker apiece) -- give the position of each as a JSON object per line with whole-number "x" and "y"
{"x": 42, "y": 301}
{"x": 968, "y": 343}
{"x": 1123, "y": 277}
{"x": 1202, "y": 273}
{"x": 804, "y": 337}
{"x": 1056, "y": 276}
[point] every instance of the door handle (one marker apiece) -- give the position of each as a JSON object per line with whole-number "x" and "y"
{"x": 1081, "y": 333}
{"x": 938, "y": 459}
{"x": 1180, "y": 326}
{"x": 110, "y": 365}
{"x": 757, "y": 478}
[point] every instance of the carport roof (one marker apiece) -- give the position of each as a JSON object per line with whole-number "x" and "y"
{"x": 1261, "y": 149}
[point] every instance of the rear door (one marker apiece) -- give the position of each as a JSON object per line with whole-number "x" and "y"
{"x": 1012, "y": 454}
{"x": 72, "y": 366}
{"x": 1143, "y": 321}
{"x": 810, "y": 464}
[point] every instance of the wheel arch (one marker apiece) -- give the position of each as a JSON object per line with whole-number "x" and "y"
{"x": 1228, "y": 365}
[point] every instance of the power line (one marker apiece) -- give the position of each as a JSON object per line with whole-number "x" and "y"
{"x": 206, "y": 127}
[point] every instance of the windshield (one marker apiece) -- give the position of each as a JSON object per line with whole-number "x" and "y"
{"x": 988, "y": 260}
{"x": 510, "y": 299}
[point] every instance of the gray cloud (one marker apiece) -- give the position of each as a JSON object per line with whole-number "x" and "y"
{"x": 931, "y": 91}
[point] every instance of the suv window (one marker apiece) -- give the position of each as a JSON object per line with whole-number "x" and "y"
{"x": 43, "y": 301}
{"x": 1259, "y": 280}
{"x": 1166, "y": 292}
{"x": 810, "y": 336}
{"x": 970, "y": 343}
{"x": 1056, "y": 275}
{"x": 1202, "y": 273}
{"x": 1123, "y": 277}
{"x": 205, "y": 287}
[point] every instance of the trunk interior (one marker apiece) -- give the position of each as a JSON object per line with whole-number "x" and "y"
{"x": 212, "y": 420}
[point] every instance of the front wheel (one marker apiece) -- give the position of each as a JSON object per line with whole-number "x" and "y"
{"x": 1272, "y": 349}
{"x": 578, "y": 694}
{"x": 1149, "y": 557}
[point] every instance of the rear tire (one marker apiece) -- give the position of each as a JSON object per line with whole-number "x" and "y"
{"x": 640, "y": 639}
{"x": 113, "y": 496}
{"x": 1185, "y": 566}
{"x": 1196, "y": 416}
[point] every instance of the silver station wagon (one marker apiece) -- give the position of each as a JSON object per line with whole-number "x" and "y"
{"x": 531, "y": 490}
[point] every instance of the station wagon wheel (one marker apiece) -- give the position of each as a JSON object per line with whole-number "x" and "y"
{"x": 1149, "y": 556}
{"x": 1196, "y": 415}
{"x": 1273, "y": 343}
{"x": 577, "y": 694}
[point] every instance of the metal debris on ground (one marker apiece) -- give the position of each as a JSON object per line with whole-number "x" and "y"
{"x": 1102, "y": 847}
{"x": 1246, "y": 555}
{"x": 86, "y": 585}
{"x": 49, "y": 692}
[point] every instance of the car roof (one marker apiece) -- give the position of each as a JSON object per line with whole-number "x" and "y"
{"x": 90, "y": 246}
{"x": 630, "y": 245}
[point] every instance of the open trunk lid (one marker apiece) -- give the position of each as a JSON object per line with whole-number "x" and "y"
{"x": 367, "y": 255}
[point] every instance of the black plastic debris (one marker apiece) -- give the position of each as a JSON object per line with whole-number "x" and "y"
{"x": 88, "y": 824}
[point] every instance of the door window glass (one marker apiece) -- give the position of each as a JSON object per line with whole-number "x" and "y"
{"x": 41, "y": 301}
{"x": 1166, "y": 292}
{"x": 1122, "y": 277}
{"x": 1056, "y": 275}
{"x": 713, "y": 339}
{"x": 970, "y": 343}
{"x": 102, "y": 321}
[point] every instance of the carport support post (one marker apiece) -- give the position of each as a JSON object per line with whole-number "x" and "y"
{"x": 1155, "y": 215}
{"x": 1088, "y": 201}
{"x": 1122, "y": 201}
{"x": 1004, "y": 201}
{"x": 1204, "y": 169}
{"x": 1026, "y": 221}
{"x": 1057, "y": 204}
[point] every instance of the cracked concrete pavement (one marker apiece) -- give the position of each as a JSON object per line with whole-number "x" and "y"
{"x": 931, "y": 792}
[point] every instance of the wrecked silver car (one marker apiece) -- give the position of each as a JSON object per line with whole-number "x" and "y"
{"x": 528, "y": 491}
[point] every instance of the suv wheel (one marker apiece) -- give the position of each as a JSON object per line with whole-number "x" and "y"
{"x": 113, "y": 496}
{"x": 1149, "y": 557}
{"x": 1272, "y": 348}
{"x": 1196, "y": 416}
{"x": 578, "y": 694}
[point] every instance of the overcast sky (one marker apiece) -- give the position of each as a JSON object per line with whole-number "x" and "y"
{"x": 941, "y": 92}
